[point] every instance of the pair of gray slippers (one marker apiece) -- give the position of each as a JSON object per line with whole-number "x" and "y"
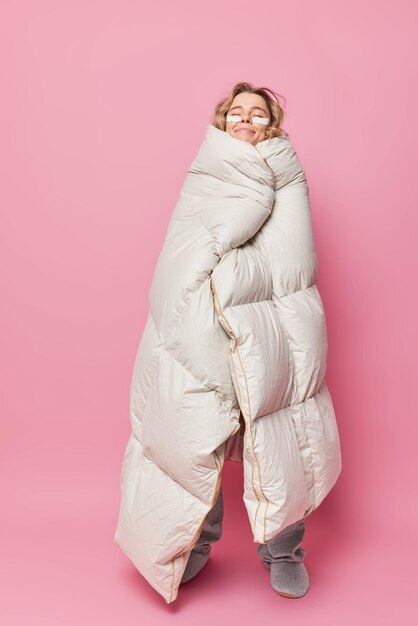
{"x": 282, "y": 555}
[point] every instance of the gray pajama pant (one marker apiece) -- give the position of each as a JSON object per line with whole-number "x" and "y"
{"x": 285, "y": 546}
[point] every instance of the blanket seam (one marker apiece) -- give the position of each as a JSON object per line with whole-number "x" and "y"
{"x": 249, "y": 409}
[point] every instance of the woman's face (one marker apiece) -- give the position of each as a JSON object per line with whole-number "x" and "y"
{"x": 248, "y": 105}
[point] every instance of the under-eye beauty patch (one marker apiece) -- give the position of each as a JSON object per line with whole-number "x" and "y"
{"x": 233, "y": 118}
{"x": 256, "y": 119}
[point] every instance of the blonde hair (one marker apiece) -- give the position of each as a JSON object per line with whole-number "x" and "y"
{"x": 277, "y": 113}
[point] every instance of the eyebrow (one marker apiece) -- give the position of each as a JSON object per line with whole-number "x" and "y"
{"x": 239, "y": 107}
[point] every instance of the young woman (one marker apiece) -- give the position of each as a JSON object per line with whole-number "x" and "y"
{"x": 232, "y": 361}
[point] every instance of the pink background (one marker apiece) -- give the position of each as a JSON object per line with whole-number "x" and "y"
{"x": 103, "y": 107}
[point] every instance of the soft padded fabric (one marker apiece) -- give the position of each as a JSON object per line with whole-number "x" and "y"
{"x": 236, "y": 330}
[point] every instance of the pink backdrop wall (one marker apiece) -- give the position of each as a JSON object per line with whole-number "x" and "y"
{"x": 103, "y": 106}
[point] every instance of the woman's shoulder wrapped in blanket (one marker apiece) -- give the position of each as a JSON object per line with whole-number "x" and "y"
{"x": 235, "y": 334}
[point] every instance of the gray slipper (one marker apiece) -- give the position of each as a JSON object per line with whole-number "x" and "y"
{"x": 196, "y": 562}
{"x": 289, "y": 579}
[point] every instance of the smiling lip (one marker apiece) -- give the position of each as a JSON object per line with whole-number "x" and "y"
{"x": 245, "y": 130}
